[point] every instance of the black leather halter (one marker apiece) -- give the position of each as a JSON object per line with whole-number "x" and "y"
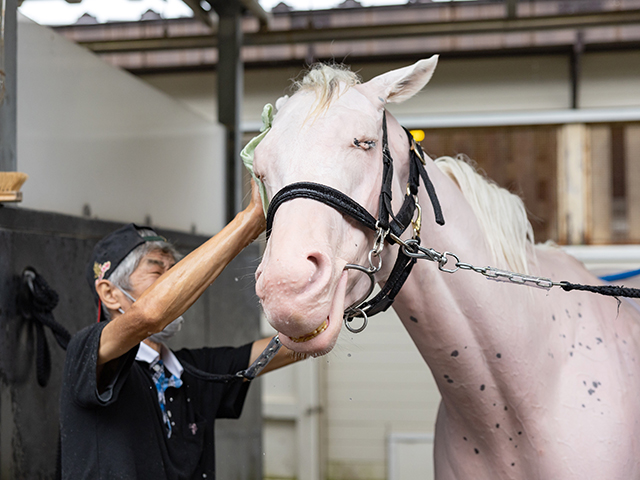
{"x": 388, "y": 226}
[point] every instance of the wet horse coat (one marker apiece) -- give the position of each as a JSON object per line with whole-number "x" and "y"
{"x": 535, "y": 384}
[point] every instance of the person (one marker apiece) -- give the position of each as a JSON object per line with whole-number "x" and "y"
{"x": 128, "y": 407}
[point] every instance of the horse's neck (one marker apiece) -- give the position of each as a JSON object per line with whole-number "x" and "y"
{"x": 461, "y": 323}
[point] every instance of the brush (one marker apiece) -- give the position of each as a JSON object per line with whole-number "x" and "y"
{"x": 10, "y": 183}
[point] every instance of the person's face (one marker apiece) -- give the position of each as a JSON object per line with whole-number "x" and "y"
{"x": 150, "y": 268}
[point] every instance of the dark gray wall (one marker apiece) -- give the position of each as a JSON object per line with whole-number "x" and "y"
{"x": 58, "y": 247}
{"x": 8, "y": 59}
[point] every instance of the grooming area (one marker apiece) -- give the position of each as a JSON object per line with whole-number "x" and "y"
{"x": 546, "y": 102}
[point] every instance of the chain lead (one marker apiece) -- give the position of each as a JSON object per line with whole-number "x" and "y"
{"x": 413, "y": 249}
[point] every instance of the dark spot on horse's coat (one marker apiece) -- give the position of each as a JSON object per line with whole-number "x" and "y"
{"x": 583, "y": 405}
{"x": 580, "y": 343}
{"x": 513, "y": 464}
{"x": 519, "y": 433}
{"x": 553, "y": 317}
{"x": 595, "y": 384}
{"x": 449, "y": 381}
{"x": 482, "y": 387}
{"x": 598, "y": 339}
{"x": 446, "y": 376}
{"x": 584, "y": 382}
{"x": 571, "y": 354}
{"x": 506, "y": 408}
{"x": 498, "y": 355}
{"x": 413, "y": 319}
{"x": 568, "y": 314}
{"x": 454, "y": 353}
{"x": 579, "y": 315}
{"x": 497, "y": 425}
{"x": 588, "y": 347}
{"x": 494, "y": 404}
{"x": 510, "y": 439}
{"x": 591, "y": 391}
{"x": 464, "y": 438}
{"x": 476, "y": 450}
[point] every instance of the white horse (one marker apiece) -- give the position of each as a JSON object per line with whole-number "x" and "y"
{"x": 535, "y": 383}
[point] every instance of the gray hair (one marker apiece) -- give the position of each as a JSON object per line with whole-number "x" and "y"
{"x": 121, "y": 275}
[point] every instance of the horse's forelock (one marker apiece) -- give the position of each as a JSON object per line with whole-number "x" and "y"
{"x": 325, "y": 80}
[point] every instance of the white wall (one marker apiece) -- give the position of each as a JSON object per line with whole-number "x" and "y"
{"x": 93, "y": 135}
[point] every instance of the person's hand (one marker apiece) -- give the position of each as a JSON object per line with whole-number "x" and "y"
{"x": 255, "y": 206}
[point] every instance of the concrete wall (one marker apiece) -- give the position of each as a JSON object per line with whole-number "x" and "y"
{"x": 58, "y": 246}
{"x": 99, "y": 142}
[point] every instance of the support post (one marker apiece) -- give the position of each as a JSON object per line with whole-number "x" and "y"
{"x": 230, "y": 89}
{"x": 574, "y": 184}
{"x": 8, "y": 62}
{"x": 576, "y": 60}
{"x": 601, "y": 203}
{"x": 632, "y": 178}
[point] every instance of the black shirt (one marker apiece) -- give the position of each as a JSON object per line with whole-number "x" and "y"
{"x": 119, "y": 433}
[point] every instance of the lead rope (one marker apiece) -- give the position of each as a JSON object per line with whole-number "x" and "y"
{"x": 413, "y": 249}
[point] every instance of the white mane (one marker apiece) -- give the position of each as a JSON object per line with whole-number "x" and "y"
{"x": 501, "y": 213}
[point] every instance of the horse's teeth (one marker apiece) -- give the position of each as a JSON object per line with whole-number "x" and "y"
{"x": 311, "y": 335}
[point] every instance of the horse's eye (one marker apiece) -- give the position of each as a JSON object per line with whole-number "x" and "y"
{"x": 364, "y": 144}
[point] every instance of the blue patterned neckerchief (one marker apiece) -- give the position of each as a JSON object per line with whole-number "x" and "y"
{"x": 162, "y": 383}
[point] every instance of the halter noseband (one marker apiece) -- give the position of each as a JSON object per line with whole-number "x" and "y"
{"x": 388, "y": 226}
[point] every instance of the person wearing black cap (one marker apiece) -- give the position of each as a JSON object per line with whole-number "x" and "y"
{"x": 128, "y": 408}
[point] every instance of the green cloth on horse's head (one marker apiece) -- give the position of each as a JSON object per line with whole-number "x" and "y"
{"x": 247, "y": 152}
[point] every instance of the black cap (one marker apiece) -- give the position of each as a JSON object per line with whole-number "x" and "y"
{"x": 112, "y": 249}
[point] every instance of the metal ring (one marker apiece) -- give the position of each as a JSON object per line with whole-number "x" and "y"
{"x": 443, "y": 261}
{"x": 349, "y": 319}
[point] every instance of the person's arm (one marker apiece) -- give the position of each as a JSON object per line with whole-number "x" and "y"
{"x": 175, "y": 291}
{"x": 283, "y": 358}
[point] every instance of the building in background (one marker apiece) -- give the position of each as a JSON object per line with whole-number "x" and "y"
{"x": 544, "y": 95}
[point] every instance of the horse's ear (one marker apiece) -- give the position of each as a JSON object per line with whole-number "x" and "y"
{"x": 399, "y": 85}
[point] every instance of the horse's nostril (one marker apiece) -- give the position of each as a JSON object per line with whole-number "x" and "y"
{"x": 314, "y": 260}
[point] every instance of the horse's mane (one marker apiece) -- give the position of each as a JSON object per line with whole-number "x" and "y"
{"x": 325, "y": 80}
{"x": 501, "y": 213}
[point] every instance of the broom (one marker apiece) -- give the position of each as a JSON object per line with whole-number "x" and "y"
{"x": 10, "y": 183}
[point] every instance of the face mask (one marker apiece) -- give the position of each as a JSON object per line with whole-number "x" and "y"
{"x": 168, "y": 331}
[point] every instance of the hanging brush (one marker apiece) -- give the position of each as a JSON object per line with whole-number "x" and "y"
{"x": 10, "y": 183}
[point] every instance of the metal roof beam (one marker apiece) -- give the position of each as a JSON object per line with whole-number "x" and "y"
{"x": 378, "y": 32}
{"x": 198, "y": 12}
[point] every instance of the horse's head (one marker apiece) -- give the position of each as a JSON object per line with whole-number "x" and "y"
{"x": 329, "y": 132}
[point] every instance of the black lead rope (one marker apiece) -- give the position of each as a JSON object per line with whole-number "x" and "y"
{"x": 36, "y": 301}
{"x": 247, "y": 374}
{"x": 608, "y": 290}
